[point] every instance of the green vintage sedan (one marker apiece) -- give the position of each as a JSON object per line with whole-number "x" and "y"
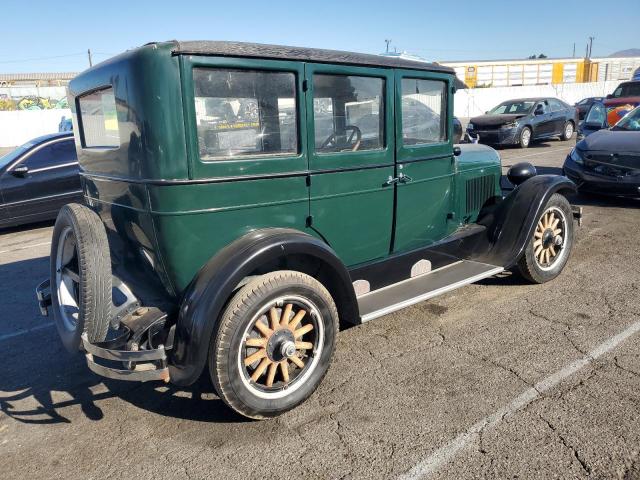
{"x": 244, "y": 201}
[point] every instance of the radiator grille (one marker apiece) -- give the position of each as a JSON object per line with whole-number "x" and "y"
{"x": 479, "y": 190}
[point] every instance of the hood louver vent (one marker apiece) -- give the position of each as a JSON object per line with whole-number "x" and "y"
{"x": 479, "y": 190}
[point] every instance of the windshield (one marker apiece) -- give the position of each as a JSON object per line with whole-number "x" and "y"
{"x": 14, "y": 154}
{"x": 627, "y": 90}
{"x": 512, "y": 107}
{"x": 630, "y": 122}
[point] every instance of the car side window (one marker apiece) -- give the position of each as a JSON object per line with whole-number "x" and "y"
{"x": 241, "y": 113}
{"x": 556, "y": 105}
{"x": 51, "y": 155}
{"x": 597, "y": 115}
{"x": 424, "y": 111}
{"x": 348, "y": 113}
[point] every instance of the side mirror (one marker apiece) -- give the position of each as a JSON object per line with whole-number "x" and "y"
{"x": 20, "y": 171}
{"x": 521, "y": 172}
{"x": 610, "y": 96}
{"x": 539, "y": 111}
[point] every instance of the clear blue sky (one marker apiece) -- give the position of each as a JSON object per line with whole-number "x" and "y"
{"x": 33, "y": 31}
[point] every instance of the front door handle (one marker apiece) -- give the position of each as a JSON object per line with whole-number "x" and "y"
{"x": 391, "y": 180}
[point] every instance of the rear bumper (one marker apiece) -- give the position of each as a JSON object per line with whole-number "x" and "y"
{"x": 628, "y": 186}
{"x": 135, "y": 353}
{"x": 141, "y": 365}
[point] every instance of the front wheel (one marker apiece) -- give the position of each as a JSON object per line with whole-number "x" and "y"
{"x": 549, "y": 248}
{"x": 274, "y": 344}
{"x": 525, "y": 137}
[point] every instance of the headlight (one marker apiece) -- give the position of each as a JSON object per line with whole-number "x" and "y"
{"x": 470, "y": 126}
{"x": 510, "y": 125}
{"x": 576, "y": 156}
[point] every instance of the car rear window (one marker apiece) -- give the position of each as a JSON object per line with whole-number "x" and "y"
{"x": 99, "y": 119}
{"x": 245, "y": 113}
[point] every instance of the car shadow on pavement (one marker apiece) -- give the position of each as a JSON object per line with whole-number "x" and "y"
{"x": 39, "y": 379}
{"x": 39, "y": 388}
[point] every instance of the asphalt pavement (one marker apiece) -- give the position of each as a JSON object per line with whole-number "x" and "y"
{"x": 498, "y": 379}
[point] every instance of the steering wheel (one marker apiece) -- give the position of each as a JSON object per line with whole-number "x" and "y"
{"x": 332, "y": 139}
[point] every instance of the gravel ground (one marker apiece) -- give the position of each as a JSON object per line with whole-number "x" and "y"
{"x": 498, "y": 379}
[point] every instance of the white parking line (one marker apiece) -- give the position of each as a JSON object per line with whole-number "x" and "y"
{"x": 7, "y": 336}
{"x": 445, "y": 453}
{"x": 25, "y": 247}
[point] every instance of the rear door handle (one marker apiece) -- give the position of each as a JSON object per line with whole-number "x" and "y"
{"x": 402, "y": 178}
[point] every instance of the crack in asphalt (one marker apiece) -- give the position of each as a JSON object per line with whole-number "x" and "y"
{"x": 576, "y": 454}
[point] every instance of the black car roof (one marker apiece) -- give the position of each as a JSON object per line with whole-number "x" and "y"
{"x": 318, "y": 55}
{"x": 50, "y": 136}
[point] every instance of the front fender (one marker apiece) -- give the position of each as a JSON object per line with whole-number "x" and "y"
{"x": 511, "y": 224}
{"x": 208, "y": 293}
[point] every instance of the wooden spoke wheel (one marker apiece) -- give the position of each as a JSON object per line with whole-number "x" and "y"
{"x": 549, "y": 237}
{"x": 280, "y": 344}
{"x": 548, "y": 249}
{"x": 274, "y": 343}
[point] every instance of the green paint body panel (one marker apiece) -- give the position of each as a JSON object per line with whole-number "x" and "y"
{"x": 168, "y": 212}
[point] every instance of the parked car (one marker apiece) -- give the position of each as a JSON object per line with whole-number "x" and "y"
{"x": 605, "y": 114}
{"x": 37, "y": 179}
{"x": 584, "y": 105}
{"x": 225, "y": 227}
{"x": 521, "y": 121}
{"x": 608, "y": 161}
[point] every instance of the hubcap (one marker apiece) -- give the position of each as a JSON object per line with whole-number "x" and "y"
{"x": 68, "y": 279}
{"x": 281, "y": 347}
{"x": 568, "y": 130}
{"x": 548, "y": 244}
{"x": 526, "y": 136}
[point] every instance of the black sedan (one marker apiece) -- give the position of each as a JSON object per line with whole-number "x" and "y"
{"x": 608, "y": 161}
{"x": 519, "y": 122}
{"x": 584, "y": 105}
{"x": 38, "y": 178}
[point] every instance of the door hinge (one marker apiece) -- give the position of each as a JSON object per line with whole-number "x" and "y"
{"x": 309, "y": 221}
{"x": 305, "y": 85}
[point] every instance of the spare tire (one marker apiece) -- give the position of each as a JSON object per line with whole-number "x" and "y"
{"x": 80, "y": 276}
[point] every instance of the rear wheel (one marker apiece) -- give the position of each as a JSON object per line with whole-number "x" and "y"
{"x": 525, "y": 137}
{"x": 274, "y": 344}
{"x": 567, "y": 132}
{"x": 549, "y": 248}
{"x": 80, "y": 276}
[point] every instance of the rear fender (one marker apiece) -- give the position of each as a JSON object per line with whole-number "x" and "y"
{"x": 511, "y": 224}
{"x": 207, "y": 295}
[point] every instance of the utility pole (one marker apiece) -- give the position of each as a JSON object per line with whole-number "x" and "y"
{"x": 574, "y": 50}
{"x": 387, "y": 41}
{"x": 591, "y": 39}
{"x": 90, "y": 60}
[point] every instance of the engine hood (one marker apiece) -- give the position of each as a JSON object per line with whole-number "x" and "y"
{"x": 495, "y": 120}
{"x": 612, "y": 141}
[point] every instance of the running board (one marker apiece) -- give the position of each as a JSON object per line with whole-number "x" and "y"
{"x": 417, "y": 289}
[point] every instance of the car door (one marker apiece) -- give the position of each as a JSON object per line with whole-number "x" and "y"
{"x": 41, "y": 182}
{"x": 542, "y": 120}
{"x": 424, "y": 159}
{"x": 351, "y": 159}
{"x": 558, "y": 115}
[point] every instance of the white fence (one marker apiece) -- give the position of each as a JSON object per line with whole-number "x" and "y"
{"x": 475, "y": 101}
{"x": 17, "y": 127}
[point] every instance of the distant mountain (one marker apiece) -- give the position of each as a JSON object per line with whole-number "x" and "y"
{"x": 631, "y": 52}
